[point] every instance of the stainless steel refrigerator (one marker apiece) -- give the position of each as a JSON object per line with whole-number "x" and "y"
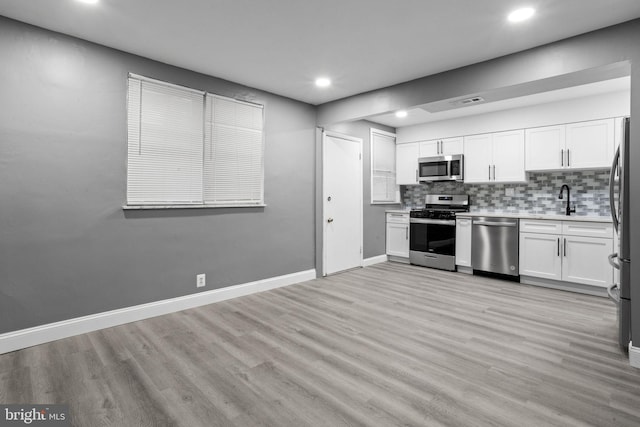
{"x": 620, "y": 292}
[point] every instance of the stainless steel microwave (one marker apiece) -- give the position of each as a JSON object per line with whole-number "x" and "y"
{"x": 441, "y": 168}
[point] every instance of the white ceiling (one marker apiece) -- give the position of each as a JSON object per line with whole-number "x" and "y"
{"x": 282, "y": 45}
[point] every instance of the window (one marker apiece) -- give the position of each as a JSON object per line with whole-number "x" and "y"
{"x": 383, "y": 168}
{"x": 189, "y": 148}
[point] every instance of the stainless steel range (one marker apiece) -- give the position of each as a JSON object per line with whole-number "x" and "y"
{"x": 432, "y": 240}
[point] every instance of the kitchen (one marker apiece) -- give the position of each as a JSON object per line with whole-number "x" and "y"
{"x": 530, "y": 197}
{"x": 71, "y": 253}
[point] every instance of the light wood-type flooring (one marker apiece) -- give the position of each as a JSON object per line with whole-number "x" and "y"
{"x": 385, "y": 345}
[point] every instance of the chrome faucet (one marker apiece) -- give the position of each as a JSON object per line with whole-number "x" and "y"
{"x": 569, "y": 209}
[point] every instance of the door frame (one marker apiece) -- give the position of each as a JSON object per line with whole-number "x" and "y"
{"x": 359, "y": 141}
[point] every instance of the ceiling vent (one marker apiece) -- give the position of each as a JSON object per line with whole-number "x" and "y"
{"x": 470, "y": 101}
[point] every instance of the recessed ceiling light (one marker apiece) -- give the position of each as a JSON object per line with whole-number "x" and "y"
{"x": 88, "y": 1}
{"x": 521, "y": 14}
{"x": 323, "y": 82}
{"x": 400, "y": 114}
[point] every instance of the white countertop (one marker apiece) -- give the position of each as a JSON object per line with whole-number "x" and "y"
{"x": 402, "y": 211}
{"x": 525, "y": 215}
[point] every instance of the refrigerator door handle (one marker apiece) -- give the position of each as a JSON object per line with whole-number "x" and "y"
{"x": 612, "y": 178}
{"x": 612, "y": 262}
{"x": 612, "y": 295}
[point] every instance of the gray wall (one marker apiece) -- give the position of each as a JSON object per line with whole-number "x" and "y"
{"x": 374, "y": 238}
{"x": 67, "y": 249}
{"x": 575, "y": 59}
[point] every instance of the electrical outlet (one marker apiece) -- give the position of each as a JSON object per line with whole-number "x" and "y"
{"x": 201, "y": 280}
{"x": 509, "y": 192}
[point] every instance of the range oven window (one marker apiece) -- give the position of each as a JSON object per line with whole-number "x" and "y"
{"x": 433, "y": 238}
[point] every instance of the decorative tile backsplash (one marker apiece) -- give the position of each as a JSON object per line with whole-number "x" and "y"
{"x": 589, "y": 194}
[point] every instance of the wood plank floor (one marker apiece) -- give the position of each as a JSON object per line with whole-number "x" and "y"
{"x": 385, "y": 345}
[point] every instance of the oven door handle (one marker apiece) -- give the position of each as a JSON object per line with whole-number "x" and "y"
{"x": 432, "y": 221}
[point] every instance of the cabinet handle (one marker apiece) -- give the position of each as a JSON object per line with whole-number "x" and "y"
{"x": 561, "y": 157}
{"x": 565, "y": 247}
{"x": 406, "y": 236}
{"x": 489, "y": 172}
{"x": 494, "y": 172}
{"x": 568, "y": 158}
{"x": 558, "y": 246}
{"x": 416, "y": 175}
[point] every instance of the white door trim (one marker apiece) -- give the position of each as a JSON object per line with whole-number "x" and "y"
{"x": 359, "y": 141}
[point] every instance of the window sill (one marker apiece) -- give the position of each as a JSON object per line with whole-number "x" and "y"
{"x": 152, "y": 207}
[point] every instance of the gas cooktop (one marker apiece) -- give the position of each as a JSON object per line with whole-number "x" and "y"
{"x": 442, "y": 206}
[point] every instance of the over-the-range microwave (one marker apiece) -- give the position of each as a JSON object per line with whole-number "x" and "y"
{"x": 441, "y": 168}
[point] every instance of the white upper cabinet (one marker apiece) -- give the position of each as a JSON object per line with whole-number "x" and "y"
{"x": 583, "y": 145}
{"x": 494, "y": 157}
{"x": 478, "y": 158}
{"x": 590, "y": 144}
{"x": 441, "y": 147}
{"x": 508, "y": 156}
{"x": 407, "y": 163}
{"x": 545, "y": 148}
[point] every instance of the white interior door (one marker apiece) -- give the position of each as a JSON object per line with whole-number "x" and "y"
{"x": 342, "y": 202}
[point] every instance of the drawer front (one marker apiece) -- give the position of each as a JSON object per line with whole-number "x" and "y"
{"x": 540, "y": 226}
{"x": 400, "y": 218}
{"x": 587, "y": 229}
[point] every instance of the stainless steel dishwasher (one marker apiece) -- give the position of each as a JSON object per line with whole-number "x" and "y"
{"x": 494, "y": 245}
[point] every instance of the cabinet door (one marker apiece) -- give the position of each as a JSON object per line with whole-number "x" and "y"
{"x": 407, "y": 163}
{"x": 585, "y": 260}
{"x": 429, "y": 148}
{"x": 398, "y": 239}
{"x": 590, "y": 144}
{"x": 545, "y": 148}
{"x": 540, "y": 255}
{"x": 477, "y": 158}
{"x": 463, "y": 242}
{"x": 449, "y": 146}
{"x": 508, "y": 156}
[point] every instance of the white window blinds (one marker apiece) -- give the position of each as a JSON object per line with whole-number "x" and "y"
{"x": 165, "y": 144}
{"x": 233, "y": 161}
{"x": 186, "y": 147}
{"x": 383, "y": 168}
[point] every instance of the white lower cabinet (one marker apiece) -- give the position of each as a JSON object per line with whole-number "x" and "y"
{"x": 540, "y": 256}
{"x": 463, "y": 241}
{"x": 585, "y": 260}
{"x": 398, "y": 235}
{"x": 569, "y": 251}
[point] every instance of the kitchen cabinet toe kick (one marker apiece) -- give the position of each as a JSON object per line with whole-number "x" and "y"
{"x": 564, "y": 286}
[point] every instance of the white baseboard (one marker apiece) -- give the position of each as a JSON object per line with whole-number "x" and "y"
{"x": 634, "y": 356}
{"x": 24, "y": 338}
{"x": 374, "y": 260}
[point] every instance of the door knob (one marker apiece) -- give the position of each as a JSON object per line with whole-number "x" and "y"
{"x": 330, "y": 220}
